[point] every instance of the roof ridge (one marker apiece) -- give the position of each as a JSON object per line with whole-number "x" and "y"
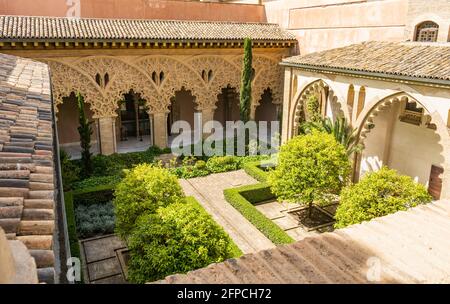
{"x": 141, "y": 19}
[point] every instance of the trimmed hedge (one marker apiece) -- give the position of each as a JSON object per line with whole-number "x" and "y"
{"x": 72, "y": 227}
{"x": 254, "y": 170}
{"x": 95, "y": 181}
{"x": 243, "y": 198}
{"x": 94, "y": 195}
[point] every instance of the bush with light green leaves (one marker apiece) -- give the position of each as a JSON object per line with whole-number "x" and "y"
{"x": 179, "y": 238}
{"x": 310, "y": 169}
{"x": 142, "y": 191}
{"x": 377, "y": 194}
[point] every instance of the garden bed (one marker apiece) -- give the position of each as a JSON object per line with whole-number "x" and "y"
{"x": 90, "y": 215}
{"x": 312, "y": 218}
{"x": 244, "y": 198}
{"x": 76, "y": 203}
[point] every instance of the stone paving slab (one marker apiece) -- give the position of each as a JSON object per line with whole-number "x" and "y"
{"x": 100, "y": 262}
{"x": 101, "y": 248}
{"x": 208, "y": 191}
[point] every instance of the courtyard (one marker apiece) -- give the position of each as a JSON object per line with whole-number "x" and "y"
{"x": 271, "y": 144}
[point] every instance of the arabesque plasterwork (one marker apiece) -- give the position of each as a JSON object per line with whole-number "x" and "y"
{"x": 103, "y": 80}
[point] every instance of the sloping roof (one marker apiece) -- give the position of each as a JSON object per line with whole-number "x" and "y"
{"x": 79, "y": 29}
{"x": 26, "y": 158}
{"x": 406, "y": 247}
{"x": 418, "y": 60}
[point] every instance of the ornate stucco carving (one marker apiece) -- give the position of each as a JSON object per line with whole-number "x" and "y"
{"x": 104, "y": 79}
{"x": 316, "y": 88}
{"x": 368, "y": 123}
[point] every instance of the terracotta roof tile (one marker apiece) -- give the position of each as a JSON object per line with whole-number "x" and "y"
{"x": 26, "y": 146}
{"x": 76, "y": 29}
{"x": 418, "y": 60}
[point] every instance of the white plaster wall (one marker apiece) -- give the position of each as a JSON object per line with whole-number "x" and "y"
{"x": 414, "y": 149}
{"x": 373, "y": 155}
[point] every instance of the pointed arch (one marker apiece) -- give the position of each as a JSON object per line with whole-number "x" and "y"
{"x": 67, "y": 79}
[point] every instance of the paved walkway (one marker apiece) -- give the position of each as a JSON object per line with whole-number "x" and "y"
{"x": 208, "y": 191}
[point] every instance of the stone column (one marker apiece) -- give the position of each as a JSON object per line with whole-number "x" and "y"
{"x": 253, "y": 111}
{"x": 207, "y": 115}
{"x": 160, "y": 129}
{"x": 107, "y": 135}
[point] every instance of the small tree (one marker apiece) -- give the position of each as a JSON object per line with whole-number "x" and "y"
{"x": 377, "y": 194}
{"x": 313, "y": 108}
{"x": 246, "y": 81}
{"x": 178, "y": 238}
{"x": 310, "y": 169}
{"x": 340, "y": 129}
{"x": 142, "y": 191}
{"x": 85, "y": 132}
{"x": 69, "y": 171}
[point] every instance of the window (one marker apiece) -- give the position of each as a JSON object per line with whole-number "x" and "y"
{"x": 412, "y": 114}
{"x": 427, "y": 32}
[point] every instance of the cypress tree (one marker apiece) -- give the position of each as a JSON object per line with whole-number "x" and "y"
{"x": 246, "y": 81}
{"x": 85, "y": 132}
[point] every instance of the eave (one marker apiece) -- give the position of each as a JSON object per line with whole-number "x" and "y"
{"x": 429, "y": 82}
{"x": 12, "y": 44}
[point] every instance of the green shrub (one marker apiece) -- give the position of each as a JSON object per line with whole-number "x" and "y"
{"x": 71, "y": 226}
{"x": 94, "y": 219}
{"x": 114, "y": 164}
{"x": 311, "y": 168}
{"x": 179, "y": 238}
{"x": 243, "y": 198}
{"x": 200, "y": 165}
{"x": 218, "y": 164}
{"x": 254, "y": 170}
{"x": 96, "y": 181}
{"x": 69, "y": 171}
{"x": 94, "y": 195}
{"x": 377, "y": 194}
{"x": 142, "y": 191}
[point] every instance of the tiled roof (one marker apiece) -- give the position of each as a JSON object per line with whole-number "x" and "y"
{"x": 418, "y": 60}
{"x": 79, "y": 29}
{"x": 26, "y": 159}
{"x": 406, "y": 247}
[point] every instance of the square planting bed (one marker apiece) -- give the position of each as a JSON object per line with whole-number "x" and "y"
{"x": 319, "y": 219}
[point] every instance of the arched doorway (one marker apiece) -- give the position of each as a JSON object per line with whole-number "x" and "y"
{"x": 182, "y": 108}
{"x": 398, "y": 133}
{"x": 133, "y": 130}
{"x": 227, "y": 109}
{"x": 67, "y": 124}
{"x": 268, "y": 112}
{"x": 227, "y": 106}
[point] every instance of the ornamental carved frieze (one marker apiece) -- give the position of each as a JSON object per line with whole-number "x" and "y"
{"x": 104, "y": 79}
